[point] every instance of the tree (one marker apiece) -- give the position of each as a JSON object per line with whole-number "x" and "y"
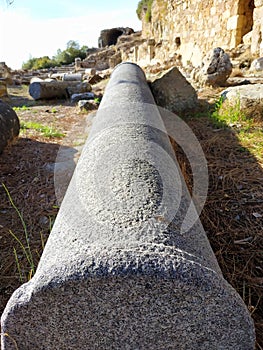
{"x": 39, "y": 63}
{"x": 73, "y": 50}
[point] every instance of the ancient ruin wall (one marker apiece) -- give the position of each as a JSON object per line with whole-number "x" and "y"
{"x": 257, "y": 32}
{"x": 193, "y": 27}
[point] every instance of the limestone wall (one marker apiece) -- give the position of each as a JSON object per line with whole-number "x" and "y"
{"x": 191, "y": 28}
{"x": 257, "y": 32}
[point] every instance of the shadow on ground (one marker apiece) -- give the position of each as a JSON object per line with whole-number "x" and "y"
{"x": 27, "y": 172}
{"x": 233, "y": 212}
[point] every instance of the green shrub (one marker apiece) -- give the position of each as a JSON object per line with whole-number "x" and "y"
{"x": 66, "y": 56}
{"x": 145, "y": 4}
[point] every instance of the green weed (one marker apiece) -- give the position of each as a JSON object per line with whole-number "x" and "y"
{"x": 25, "y": 247}
{"x": 252, "y": 139}
{"x": 225, "y": 114}
{"x": 23, "y": 108}
{"x": 97, "y": 100}
{"x": 249, "y": 134}
{"x": 45, "y": 130}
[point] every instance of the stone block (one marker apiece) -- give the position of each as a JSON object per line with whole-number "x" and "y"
{"x": 226, "y": 14}
{"x": 247, "y": 96}
{"x": 212, "y": 11}
{"x": 236, "y": 22}
{"x": 258, "y": 15}
{"x": 247, "y": 39}
{"x": 256, "y": 39}
{"x": 233, "y": 40}
{"x": 257, "y": 65}
{"x": 258, "y": 3}
{"x": 173, "y": 92}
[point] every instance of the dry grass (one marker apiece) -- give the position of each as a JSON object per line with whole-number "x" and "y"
{"x": 25, "y": 171}
{"x": 233, "y": 213}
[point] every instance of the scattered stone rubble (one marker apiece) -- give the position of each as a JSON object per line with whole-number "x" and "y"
{"x": 216, "y": 69}
{"x": 244, "y": 96}
{"x": 109, "y": 37}
{"x": 257, "y": 65}
{"x": 134, "y": 47}
{"x": 172, "y": 91}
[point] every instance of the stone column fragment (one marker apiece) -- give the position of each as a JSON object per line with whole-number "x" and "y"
{"x": 118, "y": 272}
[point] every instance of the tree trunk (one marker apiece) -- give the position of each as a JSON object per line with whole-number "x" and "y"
{"x": 9, "y": 125}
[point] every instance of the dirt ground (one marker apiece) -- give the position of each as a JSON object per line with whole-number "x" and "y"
{"x": 235, "y": 196}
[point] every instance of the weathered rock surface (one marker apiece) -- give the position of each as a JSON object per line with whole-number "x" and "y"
{"x": 5, "y": 73}
{"x": 99, "y": 59}
{"x": 3, "y": 88}
{"x": 217, "y": 68}
{"x": 115, "y": 60}
{"x": 9, "y": 125}
{"x": 173, "y": 92}
{"x": 109, "y": 37}
{"x": 90, "y": 71}
{"x": 79, "y": 88}
{"x": 84, "y": 96}
{"x": 108, "y": 57}
{"x": 247, "y": 95}
{"x": 95, "y": 79}
{"x": 87, "y": 105}
{"x": 257, "y": 65}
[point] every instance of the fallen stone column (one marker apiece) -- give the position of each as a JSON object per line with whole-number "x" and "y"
{"x": 9, "y": 125}
{"x": 118, "y": 272}
{"x": 72, "y": 77}
{"x": 48, "y": 90}
{"x": 56, "y": 89}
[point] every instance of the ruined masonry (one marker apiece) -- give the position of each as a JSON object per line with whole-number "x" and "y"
{"x": 190, "y": 29}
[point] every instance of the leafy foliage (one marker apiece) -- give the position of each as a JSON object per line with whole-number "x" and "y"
{"x": 67, "y": 56}
{"x": 145, "y": 4}
{"x": 38, "y": 63}
{"x": 72, "y": 51}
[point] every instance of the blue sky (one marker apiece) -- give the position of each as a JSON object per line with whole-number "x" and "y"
{"x": 35, "y": 28}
